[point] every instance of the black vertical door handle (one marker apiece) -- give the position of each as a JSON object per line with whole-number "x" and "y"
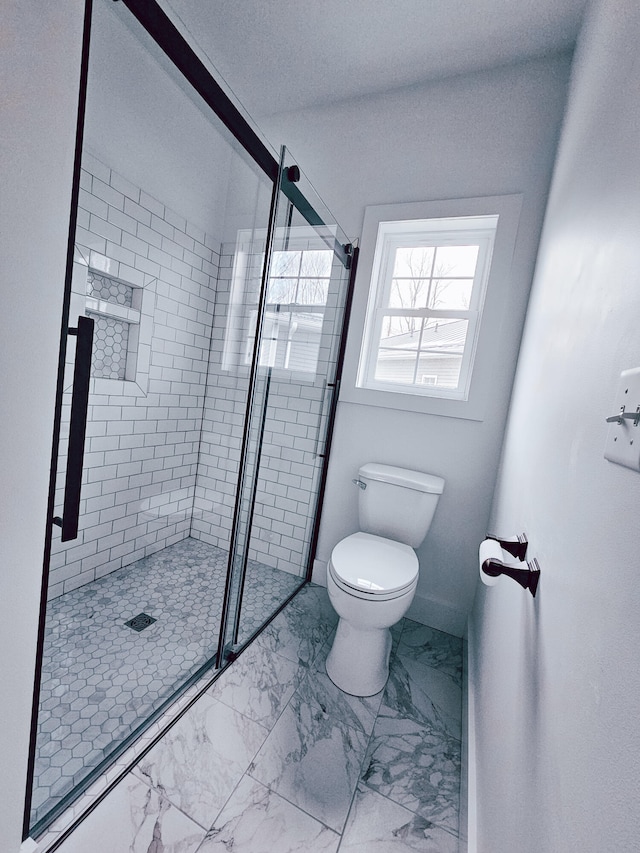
{"x": 77, "y": 429}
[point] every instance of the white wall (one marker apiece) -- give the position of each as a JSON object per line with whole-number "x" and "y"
{"x": 486, "y": 134}
{"x": 555, "y": 680}
{"x": 132, "y": 91}
{"x": 40, "y": 64}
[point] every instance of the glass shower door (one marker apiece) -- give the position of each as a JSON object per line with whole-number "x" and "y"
{"x": 216, "y": 285}
{"x": 134, "y": 590}
{"x": 293, "y": 340}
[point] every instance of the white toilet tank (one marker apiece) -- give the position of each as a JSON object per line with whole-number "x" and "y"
{"x": 397, "y": 503}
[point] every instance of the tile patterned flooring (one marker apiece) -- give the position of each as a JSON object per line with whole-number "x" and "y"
{"x": 273, "y": 757}
{"x": 100, "y": 678}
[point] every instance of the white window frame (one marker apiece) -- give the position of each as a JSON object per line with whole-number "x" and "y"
{"x": 423, "y": 233}
{"x": 486, "y": 311}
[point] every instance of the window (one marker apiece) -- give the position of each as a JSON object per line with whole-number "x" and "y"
{"x": 425, "y": 303}
{"x": 299, "y": 312}
{"x": 297, "y": 294}
{"x": 434, "y": 286}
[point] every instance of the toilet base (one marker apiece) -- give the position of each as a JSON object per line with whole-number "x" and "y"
{"x": 358, "y": 662}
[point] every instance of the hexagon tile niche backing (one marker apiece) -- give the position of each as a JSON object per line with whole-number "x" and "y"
{"x": 111, "y": 336}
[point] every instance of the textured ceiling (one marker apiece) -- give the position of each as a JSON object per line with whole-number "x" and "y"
{"x": 277, "y": 55}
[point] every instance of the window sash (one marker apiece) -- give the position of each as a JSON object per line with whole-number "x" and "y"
{"x": 417, "y": 387}
{"x": 390, "y": 241}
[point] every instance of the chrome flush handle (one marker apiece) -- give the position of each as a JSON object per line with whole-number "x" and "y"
{"x": 359, "y": 483}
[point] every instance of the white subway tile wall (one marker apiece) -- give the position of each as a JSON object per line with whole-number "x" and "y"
{"x": 224, "y": 410}
{"x": 293, "y": 426}
{"x": 141, "y": 450}
{"x": 162, "y": 455}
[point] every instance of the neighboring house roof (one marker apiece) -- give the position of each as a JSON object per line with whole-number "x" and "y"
{"x": 446, "y": 337}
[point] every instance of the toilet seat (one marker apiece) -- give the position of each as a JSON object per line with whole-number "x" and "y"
{"x": 372, "y": 567}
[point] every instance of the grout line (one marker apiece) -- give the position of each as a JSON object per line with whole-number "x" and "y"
{"x": 109, "y": 778}
{"x": 394, "y": 654}
{"x": 305, "y": 671}
{"x": 206, "y": 388}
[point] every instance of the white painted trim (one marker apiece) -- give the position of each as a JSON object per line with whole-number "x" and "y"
{"x": 437, "y": 614}
{"x": 319, "y": 572}
{"x": 468, "y": 768}
{"x": 391, "y": 236}
{"x": 507, "y": 208}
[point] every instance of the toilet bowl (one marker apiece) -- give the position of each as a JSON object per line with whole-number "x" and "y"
{"x": 372, "y": 575}
{"x": 371, "y": 583}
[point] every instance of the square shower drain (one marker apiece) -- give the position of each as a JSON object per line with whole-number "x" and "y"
{"x": 140, "y": 622}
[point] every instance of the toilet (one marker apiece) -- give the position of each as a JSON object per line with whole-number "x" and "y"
{"x": 372, "y": 575}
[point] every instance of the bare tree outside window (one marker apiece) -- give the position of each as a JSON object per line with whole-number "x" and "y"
{"x": 422, "y": 321}
{"x": 425, "y": 310}
{"x": 299, "y": 277}
{"x": 297, "y": 294}
{"x": 434, "y": 277}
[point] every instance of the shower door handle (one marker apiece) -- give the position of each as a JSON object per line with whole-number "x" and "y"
{"x": 77, "y": 429}
{"x": 333, "y": 386}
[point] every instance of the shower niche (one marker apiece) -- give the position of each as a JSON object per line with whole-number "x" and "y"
{"x": 218, "y": 284}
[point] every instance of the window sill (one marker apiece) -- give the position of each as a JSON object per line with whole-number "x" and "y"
{"x": 471, "y": 409}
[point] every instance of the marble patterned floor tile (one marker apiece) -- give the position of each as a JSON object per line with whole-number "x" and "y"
{"x": 314, "y": 600}
{"x": 259, "y": 684}
{"x": 319, "y": 663}
{"x": 137, "y": 819}
{"x": 397, "y": 629}
{"x": 317, "y": 689}
{"x": 396, "y": 633}
{"x": 199, "y": 761}
{"x": 423, "y": 694}
{"x": 432, "y": 648}
{"x": 257, "y": 820}
{"x": 378, "y": 825}
{"x": 313, "y": 761}
{"x": 294, "y": 635}
{"x": 291, "y": 789}
{"x": 416, "y": 767}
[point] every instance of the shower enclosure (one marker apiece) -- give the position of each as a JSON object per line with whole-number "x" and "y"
{"x": 206, "y": 300}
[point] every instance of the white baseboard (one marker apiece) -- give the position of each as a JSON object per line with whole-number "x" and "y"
{"x": 468, "y": 770}
{"x": 463, "y": 818}
{"x": 437, "y": 614}
{"x": 319, "y": 572}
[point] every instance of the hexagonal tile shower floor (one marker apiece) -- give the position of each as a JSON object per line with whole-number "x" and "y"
{"x": 101, "y": 679}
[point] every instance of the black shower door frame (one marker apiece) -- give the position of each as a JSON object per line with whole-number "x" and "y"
{"x": 178, "y": 51}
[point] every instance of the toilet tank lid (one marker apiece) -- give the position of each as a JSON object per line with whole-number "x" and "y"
{"x": 402, "y": 477}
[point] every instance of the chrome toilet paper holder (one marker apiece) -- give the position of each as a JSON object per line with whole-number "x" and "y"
{"x": 528, "y": 576}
